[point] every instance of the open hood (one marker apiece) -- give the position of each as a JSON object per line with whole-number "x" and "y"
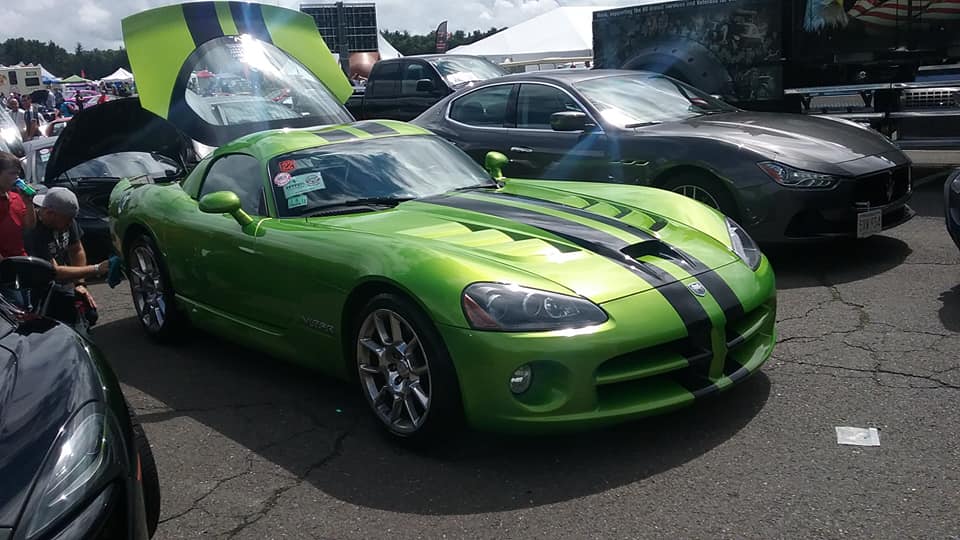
{"x": 120, "y": 125}
{"x": 221, "y": 70}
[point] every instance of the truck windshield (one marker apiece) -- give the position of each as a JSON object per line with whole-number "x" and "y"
{"x": 457, "y": 70}
{"x": 641, "y": 99}
{"x": 382, "y": 170}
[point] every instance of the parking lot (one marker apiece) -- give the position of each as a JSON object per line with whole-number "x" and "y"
{"x": 248, "y": 447}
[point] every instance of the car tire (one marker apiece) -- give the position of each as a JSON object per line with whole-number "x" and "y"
{"x": 704, "y": 188}
{"x": 150, "y": 479}
{"x": 410, "y": 384}
{"x": 152, "y": 292}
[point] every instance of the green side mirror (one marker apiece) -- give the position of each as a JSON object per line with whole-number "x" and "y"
{"x": 225, "y": 202}
{"x": 494, "y": 163}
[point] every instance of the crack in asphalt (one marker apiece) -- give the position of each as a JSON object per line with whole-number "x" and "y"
{"x": 880, "y": 371}
{"x": 274, "y": 497}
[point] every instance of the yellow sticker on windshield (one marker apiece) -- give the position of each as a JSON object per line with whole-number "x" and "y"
{"x": 303, "y": 183}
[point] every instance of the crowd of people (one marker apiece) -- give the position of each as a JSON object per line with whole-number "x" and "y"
{"x": 30, "y": 116}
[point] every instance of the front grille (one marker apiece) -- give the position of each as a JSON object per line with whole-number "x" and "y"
{"x": 930, "y": 98}
{"x": 687, "y": 361}
{"x": 882, "y": 188}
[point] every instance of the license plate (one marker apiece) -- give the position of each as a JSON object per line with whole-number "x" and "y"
{"x": 869, "y": 223}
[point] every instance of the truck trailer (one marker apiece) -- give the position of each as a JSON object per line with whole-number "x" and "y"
{"x": 892, "y": 64}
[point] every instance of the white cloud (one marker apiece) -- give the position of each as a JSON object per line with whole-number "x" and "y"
{"x": 96, "y": 23}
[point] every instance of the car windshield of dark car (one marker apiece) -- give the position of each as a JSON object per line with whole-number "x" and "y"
{"x": 119, "y": 165}
{"x": 641, "y": 99}
{"x": 233, "y": 80}
{"x": 387, "y": 169}
{"x": 460, "y": 70}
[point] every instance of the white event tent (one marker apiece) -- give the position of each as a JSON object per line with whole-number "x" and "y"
{"x": 564, "y": 32}
{"x": 120, "y": 75}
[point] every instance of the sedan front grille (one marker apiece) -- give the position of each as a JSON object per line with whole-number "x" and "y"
{"x": 882, "y": 188}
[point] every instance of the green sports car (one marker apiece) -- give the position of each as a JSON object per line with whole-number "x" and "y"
{"x": 378, "y": 252}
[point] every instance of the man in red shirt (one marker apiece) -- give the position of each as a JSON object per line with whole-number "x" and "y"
{"x": 16, "y": 211}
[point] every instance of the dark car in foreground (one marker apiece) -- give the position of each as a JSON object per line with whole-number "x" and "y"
{"x": 74, "y": 462}
{"x": 951, "y": 197}
{"x": 402, "y": 88}
{"x": 785, "y": 177}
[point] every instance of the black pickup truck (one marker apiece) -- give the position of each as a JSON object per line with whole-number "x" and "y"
{"x": 402, "y": 88}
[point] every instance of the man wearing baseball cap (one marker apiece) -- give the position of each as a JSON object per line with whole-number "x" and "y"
{"x": 56, "y": 238}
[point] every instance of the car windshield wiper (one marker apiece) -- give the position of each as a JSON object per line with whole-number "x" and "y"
{"x": 389, "y": 202}
{"x": 640, "y": 124}
{"x": 476, "y": 186}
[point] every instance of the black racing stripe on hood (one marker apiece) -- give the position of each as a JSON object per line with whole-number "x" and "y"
{"x": 336, "y": 135}
{"x": 719, "y": 289}
{"x": 249, "y": 20}
{"x": 691, "y": 312}
{"x": 375, "y": 128}
{"x": 202, "y": 21}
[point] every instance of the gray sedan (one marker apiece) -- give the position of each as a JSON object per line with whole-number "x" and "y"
{"x": 785, "y": 177}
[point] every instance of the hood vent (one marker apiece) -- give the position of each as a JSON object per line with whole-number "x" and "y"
{"x": 656, "y": 248}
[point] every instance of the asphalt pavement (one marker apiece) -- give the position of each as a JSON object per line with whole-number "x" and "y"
{"x": 249, "y": 447}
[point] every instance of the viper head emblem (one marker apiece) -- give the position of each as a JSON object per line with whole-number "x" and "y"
{"x": 697, "y": 288}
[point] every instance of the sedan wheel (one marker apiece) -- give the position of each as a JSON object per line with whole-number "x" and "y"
{"x": 394, "y": 371}
{"x": 697, "y": 193}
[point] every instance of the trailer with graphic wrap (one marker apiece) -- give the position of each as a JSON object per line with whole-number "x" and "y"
{"x": 892, "y": 64}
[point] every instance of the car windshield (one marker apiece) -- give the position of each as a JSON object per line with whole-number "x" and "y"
{"x": 387, "y": 169}
{"x": 234, "y": 80}
{"x": 119, "y": 165}
{"x": 640, "y": 99}
{"x": 460, "y": 69}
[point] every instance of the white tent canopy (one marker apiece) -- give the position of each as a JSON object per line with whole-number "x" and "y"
{"x": 120, "y": 75}
{"x": 565, "y": 32}
{"x": 386, "y": 49}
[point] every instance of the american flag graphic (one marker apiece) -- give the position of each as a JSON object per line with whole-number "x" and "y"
{"x": 889, "y": 12}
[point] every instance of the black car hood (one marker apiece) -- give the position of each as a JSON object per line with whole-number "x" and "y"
{"x": 793, "y": 139}
{"x": 121, "y": 125}
{"x": 45, "y": 376}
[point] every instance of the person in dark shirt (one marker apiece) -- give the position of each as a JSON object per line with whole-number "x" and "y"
{"x": 57, "y": 238}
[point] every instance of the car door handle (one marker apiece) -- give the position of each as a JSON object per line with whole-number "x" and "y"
{"x": 521, "y": 149}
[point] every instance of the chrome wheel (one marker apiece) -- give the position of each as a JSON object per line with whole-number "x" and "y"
{"x": 394, "y": 371}
{"x": 697, "y": 193}
{"x": 146, "y": 284}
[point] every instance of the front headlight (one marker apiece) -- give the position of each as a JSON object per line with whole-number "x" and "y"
{"x": 796, "y": 178}
{"x": 955, "y": 185}
{"x": 743, "y": 245}
{"x": 80, "y": 455}
{"x": 511, "y": 308}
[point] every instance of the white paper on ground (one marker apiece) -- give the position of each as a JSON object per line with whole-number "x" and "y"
{"x": 858, "y": 436}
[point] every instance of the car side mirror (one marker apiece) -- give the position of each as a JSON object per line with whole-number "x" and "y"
{"x": 225, "y": 202}
{"x": 494, "y": 163}
{"x": 425, "y": 85}
{"x": 569, "y": 121}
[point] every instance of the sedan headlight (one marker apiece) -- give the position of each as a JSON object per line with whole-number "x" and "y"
{"x": 743, "y": 245}
{"x": 796, "y": 178}
{"x": 77, "y": 461}
{"x": 511, "y": 308}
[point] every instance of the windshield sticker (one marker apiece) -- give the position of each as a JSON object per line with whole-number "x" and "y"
{"x": 296, "y": 202}
{"x": 303, "y": 183}
{"x": 281, "y": 179}
{"x": 287, "y": 165}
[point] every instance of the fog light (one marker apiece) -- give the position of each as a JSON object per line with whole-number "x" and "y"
{"x": 521, "y": 379}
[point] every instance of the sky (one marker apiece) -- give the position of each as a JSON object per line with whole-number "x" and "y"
{"x": 96, "y": 23}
